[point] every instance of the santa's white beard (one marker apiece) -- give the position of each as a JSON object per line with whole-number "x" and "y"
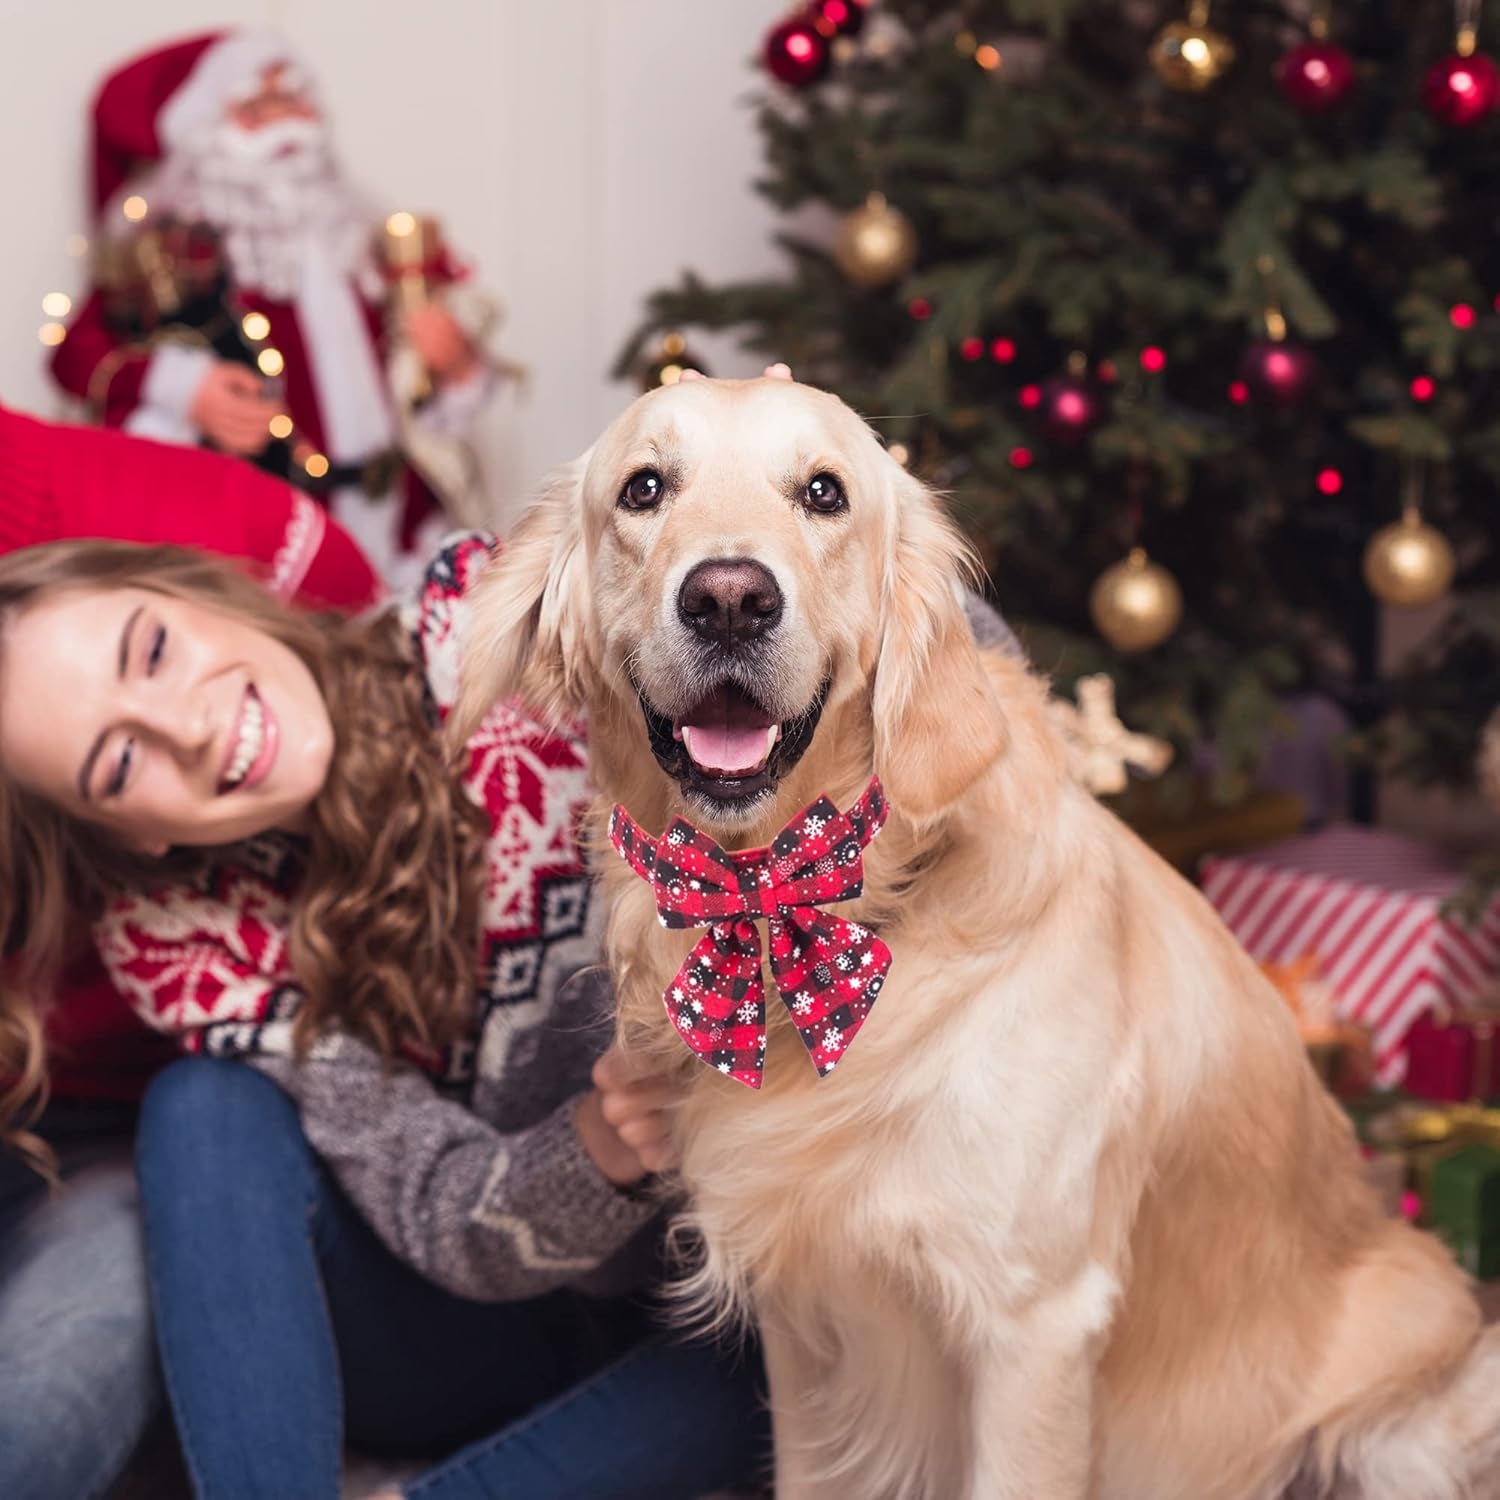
{"x": 269, "y": 192}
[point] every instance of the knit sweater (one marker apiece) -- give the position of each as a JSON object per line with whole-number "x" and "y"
{"x": 59, "y": 482}
{"x": 470, "y": 1170}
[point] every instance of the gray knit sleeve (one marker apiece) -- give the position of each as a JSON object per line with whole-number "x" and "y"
{"x": 989, "y": 627}
{"x": 490, "y": 1215}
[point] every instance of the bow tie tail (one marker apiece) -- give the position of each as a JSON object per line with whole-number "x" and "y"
{"x": 717, "y": 1002}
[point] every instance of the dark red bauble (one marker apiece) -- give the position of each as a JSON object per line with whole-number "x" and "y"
{"x": 1316, "y": 76}
{"x": 1070, "y": 410}
{"x": 838, "y": 17}
{"x": 795, "y": 54}
{"x": 1462, "y": 90}
{"x": 1279, "y": 374}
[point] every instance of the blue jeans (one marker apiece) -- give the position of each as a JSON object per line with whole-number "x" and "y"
{"x": 78, "y": 1380}
{"x": 285, "y": 1327}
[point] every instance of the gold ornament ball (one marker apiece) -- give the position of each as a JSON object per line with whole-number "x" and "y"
{"x": 667, "y": 363}
{"x": 876, "y": 244}
{"x": 1135, "y": 603}
{"x": 1190, "y": 57}
{"x": 1408, "y": 563}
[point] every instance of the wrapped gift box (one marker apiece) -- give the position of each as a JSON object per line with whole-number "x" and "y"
{"x": 1464, "y": 1207}
{"x": 1369, "y": 904}
{"x": 1454, "y": 1055}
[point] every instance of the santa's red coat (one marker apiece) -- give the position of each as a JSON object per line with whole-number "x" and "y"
{"x": 58, "y": 482}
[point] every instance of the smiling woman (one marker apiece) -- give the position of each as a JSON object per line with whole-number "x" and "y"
{"x": 285, "y": 868}
{"x": 153, "y": 666}
{"x": 168, "y": 717}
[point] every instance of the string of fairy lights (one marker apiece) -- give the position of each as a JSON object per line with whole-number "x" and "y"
{"x": 254, "y": 325}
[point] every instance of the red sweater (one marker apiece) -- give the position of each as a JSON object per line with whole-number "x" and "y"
{"x": 58, "y": 482}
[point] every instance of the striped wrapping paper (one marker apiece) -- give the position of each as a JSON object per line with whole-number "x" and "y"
{"x": 1367, "y": 902}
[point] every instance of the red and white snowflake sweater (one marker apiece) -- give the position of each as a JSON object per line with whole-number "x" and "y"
{"x": 477, "y": 1177}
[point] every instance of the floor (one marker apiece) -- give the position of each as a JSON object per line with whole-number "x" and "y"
{"x": 157, "y": 1473}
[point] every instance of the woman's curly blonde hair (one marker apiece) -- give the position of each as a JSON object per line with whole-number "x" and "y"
{"x": 386, "y": 927}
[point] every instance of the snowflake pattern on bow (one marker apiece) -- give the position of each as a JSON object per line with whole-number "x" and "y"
{"x": 828, "y": 970}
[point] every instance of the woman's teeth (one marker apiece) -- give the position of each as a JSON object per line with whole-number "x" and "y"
{"x": 252, "y": 738}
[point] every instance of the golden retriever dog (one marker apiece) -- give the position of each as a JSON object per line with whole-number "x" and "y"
{"x": 1073, "y": 1216}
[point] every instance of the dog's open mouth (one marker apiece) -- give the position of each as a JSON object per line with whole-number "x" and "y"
{"x": 727, "y": 748}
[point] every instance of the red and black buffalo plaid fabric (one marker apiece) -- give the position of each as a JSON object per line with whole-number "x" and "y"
{"x": 828, "y": 970}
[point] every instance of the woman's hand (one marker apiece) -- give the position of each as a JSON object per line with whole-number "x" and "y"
{"x": 624, "y": 1121}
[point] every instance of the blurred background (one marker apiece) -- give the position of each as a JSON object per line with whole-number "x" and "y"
{"x": 578, "y": 154}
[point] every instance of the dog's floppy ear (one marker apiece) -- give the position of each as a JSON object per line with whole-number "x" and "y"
{"x": 530, "y": 622}
{"x": 938, "y": 727}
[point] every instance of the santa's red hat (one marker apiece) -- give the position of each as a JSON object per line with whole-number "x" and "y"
{"x": 156, "y": 102}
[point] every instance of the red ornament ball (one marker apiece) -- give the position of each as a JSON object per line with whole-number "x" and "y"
{"x": 795, "y": 54}
{"x": 971, "y": 349}
{"x": 1423, "y": 388}
{"x": 1329, "y": 481}
{"x": 1239, "y": 392}
{"x": 1021, "y": 458}
{"x": 1316, "y": 76}
{"x": 838, "y": 17}
{"x": 1153, "y": 360}
{"x": 1461, "y": 315}
{"x": 1070, "y": 410}
{"x": 1278, "y": 374}
{"x": 1461, "y": 90}
{"x": 1002, "y": 350}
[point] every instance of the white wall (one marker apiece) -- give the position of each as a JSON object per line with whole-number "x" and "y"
{"x": 581, "y": 152}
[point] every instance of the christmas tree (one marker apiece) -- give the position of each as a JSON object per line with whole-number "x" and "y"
{"x": 1184, "y": 312}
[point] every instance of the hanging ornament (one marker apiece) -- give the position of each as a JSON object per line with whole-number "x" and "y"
{"x": 1463, "y": 87}
{"x": 1135, "y": 603}
{"x": 1409, "y": 563}
{"x": 1279, "y": 372}
{"x": 1070, "y": 410}
{"x": 1275, "y": 371}
{"x": 1189, "y": 55}
{"x": 834, "y": 18}
{"x": 666, "y": 364}
{"x": 1316, "y": 76}
{"x": 875, "y": 244}
{"x": 1462, "y": 90}
{"x": 796, "y": 53}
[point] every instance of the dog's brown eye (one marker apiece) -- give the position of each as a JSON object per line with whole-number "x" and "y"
{"x": 642, "y": 491}
{"x": 825, "y": 495}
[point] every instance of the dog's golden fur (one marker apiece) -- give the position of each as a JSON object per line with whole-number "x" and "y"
{"x": 1073, "y": 1216}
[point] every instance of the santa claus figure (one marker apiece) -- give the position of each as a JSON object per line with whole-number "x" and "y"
{"x": 243, "y": 299}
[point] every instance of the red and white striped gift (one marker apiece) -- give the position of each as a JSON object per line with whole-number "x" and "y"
{"x": 1368, "y": 903}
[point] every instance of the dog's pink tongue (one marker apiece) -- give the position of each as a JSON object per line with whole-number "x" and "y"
{"x": 724, "y": 747}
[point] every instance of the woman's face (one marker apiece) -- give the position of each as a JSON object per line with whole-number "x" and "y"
{"x": 159, "y": 718}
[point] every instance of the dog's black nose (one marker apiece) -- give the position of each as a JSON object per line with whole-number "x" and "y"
{"x": 729, "y": 600}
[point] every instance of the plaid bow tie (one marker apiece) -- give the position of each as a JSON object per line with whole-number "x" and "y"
{"x": 828, "y": 970}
